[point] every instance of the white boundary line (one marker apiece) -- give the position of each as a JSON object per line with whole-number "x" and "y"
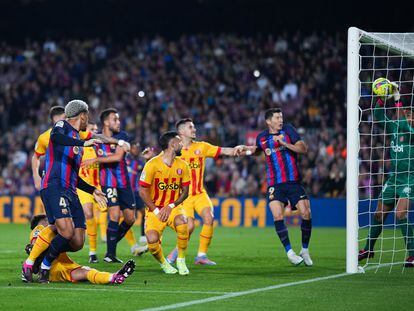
{"x": 112, "y": 289}
{"x": 243, "y": 293}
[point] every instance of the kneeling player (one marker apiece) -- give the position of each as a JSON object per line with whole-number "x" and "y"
{"x": 64, "y": 269}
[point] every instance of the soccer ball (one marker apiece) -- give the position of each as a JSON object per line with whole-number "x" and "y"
{"x": 382, "y": 87}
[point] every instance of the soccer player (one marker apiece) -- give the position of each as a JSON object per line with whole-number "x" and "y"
{"x": 58, "y": 188}
{"x": 164, "y": 185}
{"x": 135, "y": 162}
{"x": 114, "y": 180}
{"x": 91, "y": 175}
{"x": 399, "y": 186}
{"x": 195, "y": 154}
{"x": 56, "y": 113}
{"x": 281, "y": 145}
{"x": 64, "y": 269}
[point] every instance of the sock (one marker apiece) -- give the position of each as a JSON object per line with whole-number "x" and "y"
{"x": 374, "y": 232}
{"x": 126, "y": 230}
{"x": 58, "y": 245}
{"x": 103, "y": 224}
{"x": 91, "y": 229}
{"x": 43, "y": 241}
{"x": 407, "y": 233}
{"x": 97, "y": 277}
{"x": 282, "y": 232}
{"x": 111, "y": 235}
{"x": 182, "y": 239}
{"x": 156, "y": 251}
{"x": 306, "y": 228}
{"x": 143, "y": 222}
{"x": 206, "y": 235}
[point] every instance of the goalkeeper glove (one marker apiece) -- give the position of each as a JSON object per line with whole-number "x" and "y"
{"x": 395, "y": 91}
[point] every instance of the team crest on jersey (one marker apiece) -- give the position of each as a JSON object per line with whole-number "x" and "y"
{"x": 113, "y": 146}
{"x": 278, "y": 137}
{"x": 179, "y": 171}
{"x": 100, "y": 152}
{"x": 407, "y": 190}
{"x": 268, "y": 152}
{"x": 76, "y": 150}
{"x": 59, "y": 124}
{"x": 197, "y": 151}
{"x": 64, "y": 211}
{"x": 113, "y": 200}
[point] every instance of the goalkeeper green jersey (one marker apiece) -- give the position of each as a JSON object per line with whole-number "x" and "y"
{"x": 402, "y": 142}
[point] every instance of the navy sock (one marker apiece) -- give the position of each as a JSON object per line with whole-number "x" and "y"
{"x": 306, "y": 228}
{"x": 143, "y": 223}
{"x": 282, "y": 232}
{"x": 58, "y": 245}
{"x": 111, "y": 237}
{"x": 122, "y": 230}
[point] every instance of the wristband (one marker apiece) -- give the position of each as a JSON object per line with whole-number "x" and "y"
{"x": 121, "y": 142}
{"x": 171, "y": 205}
{"x": 248, "y": 152}
{"x": 156, "y": 211}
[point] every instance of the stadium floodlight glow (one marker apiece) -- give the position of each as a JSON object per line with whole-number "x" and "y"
{"x": 374, "y": 152}
{"x": 141, "y": 94}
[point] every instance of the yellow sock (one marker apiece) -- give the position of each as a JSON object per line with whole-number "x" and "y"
{"x": 130, "y": 237}
{"x": 42, "y": 243}
{"x": 182, "y": 239}
{"x": 103, "y": 224}
{"x": 91, "y": 229}
{"x": 97, "y": 277}
{"x": 156, "y": 251}
{"x": 205, "y": 238}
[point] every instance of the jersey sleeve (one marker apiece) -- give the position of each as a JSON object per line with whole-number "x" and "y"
{"x": 41, "y": 144}
{"x": 211, "y": 151}
{"x": 85, "y": 135}
{"x": 147, "y": 175}
{"x": 186, "y": 175}
{"x": 293, "y": 134}
{"x": 258, "y": 144}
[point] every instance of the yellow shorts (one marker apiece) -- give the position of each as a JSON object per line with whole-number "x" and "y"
{"x": 197, "y": 203}
{"x": 153, "y": 223}
{"x": 85, "y": 197}
{"x": 62, "y": 268}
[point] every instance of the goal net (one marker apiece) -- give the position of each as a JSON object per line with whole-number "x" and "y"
{"x": 380, "y": 164}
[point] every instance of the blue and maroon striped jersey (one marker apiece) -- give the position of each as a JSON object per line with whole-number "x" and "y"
{"x": 62, "y": 163}
{"x": 135, "y": 167}
{"x": 113, "y": 175}
{"x": 281, "y": 163}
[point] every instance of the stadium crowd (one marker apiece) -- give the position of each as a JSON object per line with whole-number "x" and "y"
{"x": 223, "y": 82}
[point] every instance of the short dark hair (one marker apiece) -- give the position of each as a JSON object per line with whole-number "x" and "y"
{"x": 182, "y": 122}
{"x": 270, "y": 112}
{"x": 105, "y": 114}
{"x": 56, "y": 111}
{"x": 165, "y": 139}
{"x": 36, "y": 219}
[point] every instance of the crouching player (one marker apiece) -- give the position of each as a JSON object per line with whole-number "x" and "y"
{"x": 64, "y": 269}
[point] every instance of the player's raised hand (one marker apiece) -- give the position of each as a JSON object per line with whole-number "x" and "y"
{"x": 164, "y": 213}
{"x": 100, "y": 198}
{"x": 395, "y": 91}
{"x": 148, "y": 153}
{"x": 88, "y": 162}
{"x": 126, "y": 146}
{"x": 91, "y": 142}
{"x": 238, "y": 150}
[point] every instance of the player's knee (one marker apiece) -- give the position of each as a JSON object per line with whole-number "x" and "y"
{"x": 180, "y": 220}
{"x": 401, "y": 214}
{"x": 152, "y": 237}
{"x": 379, "y": 217}
{"x": 306, "y": 213}
{"x": 208, "y": 219}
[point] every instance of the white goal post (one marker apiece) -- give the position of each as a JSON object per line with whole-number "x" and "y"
{"x": 385, "y": 48}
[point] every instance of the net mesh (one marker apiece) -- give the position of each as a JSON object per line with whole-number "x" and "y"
{"x": 386, "y": 150}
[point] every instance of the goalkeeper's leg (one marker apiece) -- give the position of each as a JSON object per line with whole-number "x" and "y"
{"x": 375, "y": 229}
{"x": 401, "y": 212}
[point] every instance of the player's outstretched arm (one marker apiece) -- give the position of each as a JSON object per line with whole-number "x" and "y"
{"x": 233, "y": 152}
{"x": 113, "y": 158}
{"x": 248, "y": 150}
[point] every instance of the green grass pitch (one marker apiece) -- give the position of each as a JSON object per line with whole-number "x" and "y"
{"x": 248, "y": 258}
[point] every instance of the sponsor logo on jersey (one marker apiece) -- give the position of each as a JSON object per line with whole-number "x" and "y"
{"x": 100, "y": 152}
{"x": 268, "y": 152}
{"x": 76, "y": 150}
{"x": 397, "y": 148}
{"x": 197, "y": 151}
{"x": 164, "y": 186}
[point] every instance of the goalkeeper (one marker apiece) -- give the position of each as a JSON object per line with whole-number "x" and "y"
{"x": 399, "y": 187}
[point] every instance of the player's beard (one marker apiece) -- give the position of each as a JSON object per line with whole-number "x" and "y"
{"x": 115, "y": 130}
